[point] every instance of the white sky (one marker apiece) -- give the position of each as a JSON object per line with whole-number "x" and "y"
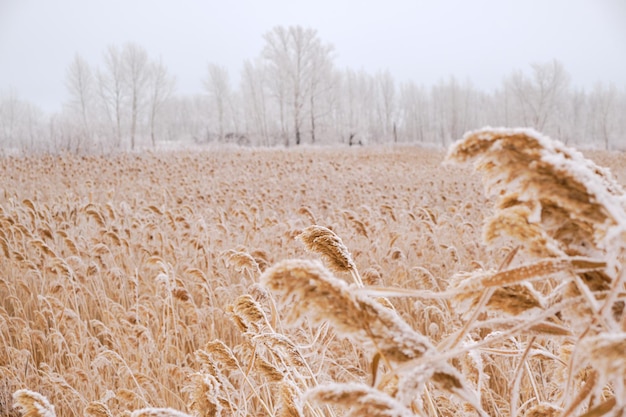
{"x": 420, "y": 40}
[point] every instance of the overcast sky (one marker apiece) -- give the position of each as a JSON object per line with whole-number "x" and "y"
{"x": 420, "y": 40}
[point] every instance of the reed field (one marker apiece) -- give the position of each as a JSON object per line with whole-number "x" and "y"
{"x": 485, "y": 280}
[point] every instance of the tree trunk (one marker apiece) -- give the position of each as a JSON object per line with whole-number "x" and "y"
{"x": 133, "y": 123}
{"x": 312, "y": 119}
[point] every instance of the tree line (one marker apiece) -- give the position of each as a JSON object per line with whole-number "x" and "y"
{"x": 292, "y": 93}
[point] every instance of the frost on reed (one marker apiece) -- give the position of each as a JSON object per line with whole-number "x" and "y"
{"x": 552, "y": 201}
{"x": 325, "y": 242}
{"x": 32, "y": 404}
{"x": 97, "y": 409}
{"x": 549, "y": 197}
{"x": 361, "y": 400}
{"x": 308, "y": 290}
{"x": 570, "y": 214}
{"x": 158, "y": 412}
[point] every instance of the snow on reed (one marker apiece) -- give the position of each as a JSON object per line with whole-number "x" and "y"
{"x": 32, "y": 404}
{"x": 308, "y": 291}
{"x": 540, "y": 335}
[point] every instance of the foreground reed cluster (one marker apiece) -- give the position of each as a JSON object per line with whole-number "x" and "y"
{"x": 532, "y": 323}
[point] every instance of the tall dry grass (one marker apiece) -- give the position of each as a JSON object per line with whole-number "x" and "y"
{"x": 161, "y": 283}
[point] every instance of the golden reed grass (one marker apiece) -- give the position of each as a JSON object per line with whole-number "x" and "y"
{"x": 140, "y": 293}
{"x": 32, "y": 404}
{"x": 360, "y": 400}
{"x": 555, "y": 203}
{"x": 308, "y": 291}
{"x": 549, "y": 197}
{"x": 325, "y": 242}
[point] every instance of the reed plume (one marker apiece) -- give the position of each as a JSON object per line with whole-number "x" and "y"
{"x": 32, "y": 404}
{"x": 98, "y": 409}
{"x": 324, "y": 242}
{"x": 513, "y": 292}
{"x": 289, "y": 400}
{"x": 543, "y": 410}
{"x": 242, "y": 261}
{"x": 360, "y": 400}
{"x": 203, "y": 392}
{"x": 83, "y": 319}
{"x": 553, "y": 202}
{"x": 606, "y": 352}
{"x": 563, "y": 208}
{"x": 541, "y": 183}
{"x": 251, "y": 313}
{"x": 308, "y": 290}
{"x": 158, "y": 412}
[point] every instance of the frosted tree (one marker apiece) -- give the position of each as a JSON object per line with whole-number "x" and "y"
{"x": 320, "y": 83}
{"x": 136, "y": 77}
{"x": 254, "y": 101}
{"x": 217, "y": 85}
{"x": 358, "y": 104}
{"x": 10, "y": 109}
{"x": 602, "y": 113}
{"x": 80, "y": 84}
{"x": 414, "y": 111}
{"x": 539, "y": 97}
{"x": 292, "y": 55}
{"x": 125, "y": 89}
{"x": 112, "y": 92}
{"x": 576, "y": 108}
{"x": 386, "y": 103}
{"x": 184, "y": 118}
{"x": 292, "y": 93}
{"x": 21, "y": 124}
{"x": 161, "y": 85}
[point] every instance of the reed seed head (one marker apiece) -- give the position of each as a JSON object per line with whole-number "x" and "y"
{"x": 359, "y": 399}
{"x": 98, "y": 409}
{"x": 32, "y": 404}
{"x": 308, "y": 290}
{"x": 158, "y": 412}
{"x": 607, "y": 353}
{"x": 289, "y": 400}
{"x": 541, "y": 183}
{"x": 324, "y": 242}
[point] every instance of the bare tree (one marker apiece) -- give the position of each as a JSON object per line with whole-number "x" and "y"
{"x": 320, "y": 82}
{"x": 602, "y": 102}
{"x": 414, "y": 111}
{"x": 277, "y": 76}
{"x": 10, "y": 109}
{"x": 80, "y": 84}
{"x": 254, "y": 101}
{"x": 386, "y": 96}
{"x": 21, "y": 124}
{"x": 136, "y": 77}
{"x": 574, "y": 129}
{"x": 538, "y": 97}
{"x": 292, "y": 92}
{"x": 291, "y": 54}
{"x": 111, "y": 90}
{"x": 358, "y": 106}
{"x": 218, "y": 86}
{"x": 161, "y": 86}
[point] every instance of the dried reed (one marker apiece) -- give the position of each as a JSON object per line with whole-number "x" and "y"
{"x": 325, "y": 242}
{"x": 359, "y": 400}
{"x": 98, "y": 409}
{"x": 32, "y": 404}
{"x": 310, "y": 291}
{"x": 543, "y": 184}
{"x": 82, "y": 319}
{"x": 158, "y": 412}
